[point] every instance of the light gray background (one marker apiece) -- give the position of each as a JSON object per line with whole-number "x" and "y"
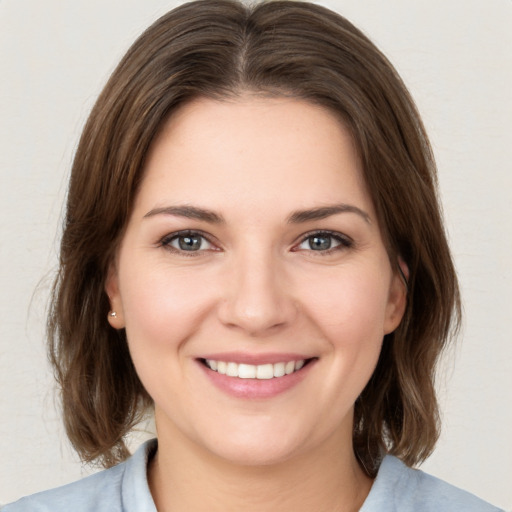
{"x": 456, "y": 58}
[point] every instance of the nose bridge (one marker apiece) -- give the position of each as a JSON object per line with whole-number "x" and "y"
{"x": 257, "y": 298}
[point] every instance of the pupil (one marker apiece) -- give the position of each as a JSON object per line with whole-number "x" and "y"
{"x": 189, "y": 243}
{"x": 320, "y": 243}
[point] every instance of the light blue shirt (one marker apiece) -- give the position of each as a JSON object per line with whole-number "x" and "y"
{"x": 124, "y": 488}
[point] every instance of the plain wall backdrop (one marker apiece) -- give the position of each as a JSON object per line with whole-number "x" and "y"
{"x": 456, "y": 58}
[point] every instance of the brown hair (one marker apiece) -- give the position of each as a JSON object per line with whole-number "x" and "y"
{"x": 218, "y": 49}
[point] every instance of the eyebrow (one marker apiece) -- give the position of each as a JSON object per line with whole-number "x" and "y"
{"x": 189, "y": 212}
{"x": 323, "y": 212}
{"x": 297, "y": 217}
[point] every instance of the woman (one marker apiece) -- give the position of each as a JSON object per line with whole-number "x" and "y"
{"x": 253, "y": 247}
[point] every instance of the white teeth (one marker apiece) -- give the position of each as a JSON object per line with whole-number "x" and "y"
{"x": 232, "y": 370}
{"x": 251, "y": 371}
{"x": 264, "y": 371}
{"x": 246, "y": 371}
{"x": 279, "y": 370}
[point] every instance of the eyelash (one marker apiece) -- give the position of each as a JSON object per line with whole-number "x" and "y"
{"x": 344, "y": 242}
{"x": 166, "y": 241}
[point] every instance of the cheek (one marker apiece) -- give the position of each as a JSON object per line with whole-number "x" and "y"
{"x": 350, "y": 306}
{"x": 162, "y": 307}
{"x": 349, "y": 310}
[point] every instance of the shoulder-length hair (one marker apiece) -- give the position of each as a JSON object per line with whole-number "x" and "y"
{"x": 220, "y": 49}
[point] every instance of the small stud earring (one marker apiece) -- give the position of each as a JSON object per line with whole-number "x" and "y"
{"x": 112, "y": 314}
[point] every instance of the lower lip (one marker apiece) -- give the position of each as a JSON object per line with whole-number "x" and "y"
{"x": 256, "y": 388}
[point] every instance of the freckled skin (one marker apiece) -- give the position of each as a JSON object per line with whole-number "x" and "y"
{"x": 256, "y": 284}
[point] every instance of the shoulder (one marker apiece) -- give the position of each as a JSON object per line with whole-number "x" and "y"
{"x": 400, "y": 488}
{"x": 98, "y": 492}
{"x": 122, "y": 488}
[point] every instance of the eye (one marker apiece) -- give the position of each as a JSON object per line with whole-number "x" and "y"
{"x": 187, "y": 241}
{"x": 324, "y": 242}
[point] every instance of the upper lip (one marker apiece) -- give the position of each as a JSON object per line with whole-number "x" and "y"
{"x": 256, "y": 359}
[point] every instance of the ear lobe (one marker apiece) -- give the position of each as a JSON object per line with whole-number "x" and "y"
{"x": 397, "y": 299}
{"x": 116, "y": 314}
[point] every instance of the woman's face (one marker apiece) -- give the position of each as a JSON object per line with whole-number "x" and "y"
{"x": 253, "y": 281}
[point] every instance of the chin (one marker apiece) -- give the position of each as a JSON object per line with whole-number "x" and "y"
{"x": 255, "y": 454}
{"x": 260, "y": 443}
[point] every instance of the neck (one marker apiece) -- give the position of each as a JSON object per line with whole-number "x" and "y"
{"x": 185, "y": 477}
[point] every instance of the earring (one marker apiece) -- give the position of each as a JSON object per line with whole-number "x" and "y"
{"x": 112, "y": 314}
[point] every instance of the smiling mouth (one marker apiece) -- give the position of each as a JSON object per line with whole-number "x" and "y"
{"x": 251, "y": 371}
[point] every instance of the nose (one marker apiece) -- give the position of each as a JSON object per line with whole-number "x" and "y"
{"x": 257, "y": 298}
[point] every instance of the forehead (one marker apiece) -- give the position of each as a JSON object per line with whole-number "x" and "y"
{"x": 250, "y": 150}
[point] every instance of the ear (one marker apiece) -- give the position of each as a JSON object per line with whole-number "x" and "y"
{"x": 397, "y": 299}
{"x": 116, "y": 313}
